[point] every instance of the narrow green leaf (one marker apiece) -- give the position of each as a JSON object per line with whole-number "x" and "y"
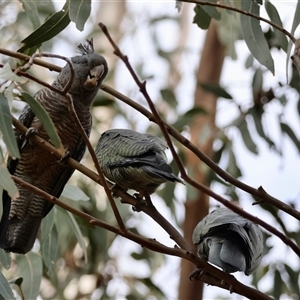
{"x": 74, "y": 193}
{"x": 257, "y": 83}
{"x": 248, "y": 141}
{"x": 188, "y": 117}
{"x": 78, "y": 235}
{"x": 274, "y": 16}
{"x": 5, "y": 259}
{"x": 79, "y": 11}
{"x": 49, "y": 250}
{"x": 178, "y": 5}
{"x": 47, "y": 225}
{"x": 7, "y": 74}
{"x": 53, "y": 26}
{"x": 212, "y": 11}
{"x": 5, "y": 289}
{"x": 102, "y": 100}
{"x": 6, "y": 182}
{"x": 31, "y": 269}
{"x": 278, "y": 285}
{"x": 44, "y": 118}
{"x": 169, "y": 96}
{"x": 249, "y": 61}
{"x": 294, "y": 276}
{"x": 296, "y": 22}
{"x": 232, "y": 166}
{"x": 254, "y": 37}
{"x": 291, "y": 134}
{"x": 298, "y": 106}
{"x": 201, "y": 18}
{"x": 6, "y": 128}
{"x": 216, "y": 90}
{"x": 32, "y": 12}
{"x": 257, "y": 118}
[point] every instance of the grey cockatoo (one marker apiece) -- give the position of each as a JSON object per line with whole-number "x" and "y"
{"x": 133, "y": 160}
{"x": 229, "y": 241}
{"x": 22, "y": 217}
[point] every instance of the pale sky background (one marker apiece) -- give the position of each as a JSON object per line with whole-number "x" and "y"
{"x": 278, "y": 176}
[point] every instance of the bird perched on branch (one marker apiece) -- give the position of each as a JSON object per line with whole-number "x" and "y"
{"x": 22, "y": 217}
{"x": 229, "y": 241}
{"x": 133, "y": 160}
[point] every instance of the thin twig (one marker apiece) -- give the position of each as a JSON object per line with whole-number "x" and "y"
{"x": 219, "y": 276}
{"x": 195, "y": 184}
{"x": 94, "y": 158}
{"x": 260, "y": 192}
{"x": 68, "y": 60}
{"x": 154, "y": 214}
{"x": 244, "y": 12}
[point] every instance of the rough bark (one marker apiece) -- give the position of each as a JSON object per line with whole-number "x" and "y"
{"x": 202, "y": 134}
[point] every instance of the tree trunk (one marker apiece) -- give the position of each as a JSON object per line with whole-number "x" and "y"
{"x": 202, "y": 132}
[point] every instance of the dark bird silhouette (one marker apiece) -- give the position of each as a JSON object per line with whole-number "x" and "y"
{"x": 133, "y": 160}
{"x": 22, "y": 217}
{"x": 229, "y": 241}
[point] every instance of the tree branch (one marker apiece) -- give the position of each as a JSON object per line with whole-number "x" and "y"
{"x": 94, "y": 158}
{"x": 195, "y": 184}
{"x": 216, "y": 278}
{"x": 243, "y": 12}
{"x": 259, "y": 192}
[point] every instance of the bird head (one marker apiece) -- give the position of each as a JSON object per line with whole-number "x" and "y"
{"x": 89, "y": 71}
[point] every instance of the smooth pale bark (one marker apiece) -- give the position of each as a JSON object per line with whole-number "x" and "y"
{"x": 203, "y": 132}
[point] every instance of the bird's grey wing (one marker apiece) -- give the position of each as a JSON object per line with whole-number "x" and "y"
{"x": 256, "y": 238}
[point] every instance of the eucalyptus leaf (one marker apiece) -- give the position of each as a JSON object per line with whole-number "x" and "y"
{"x": 215, "y": 89}
{"x": 79, "y": 11}
{"x": 47, "y": 225}
{"x": 5, "y": 259}
{"x": 78, "y": 234}
{"x": 201, "y": 18}
{"x": 278, "y": 285}
{"x": 6, "y": 128}
{"x": 257, "y": 83}
{"x": 254, "y": 37}
{"x": 247, "y": 139}
{"x": 7, "y": 74}
{"x": 53, "y": 26}
{"x": 257, "y": 118}
{"x": 74, "y": 193}
{"x": 294, "y": 278}
{"x": 32, "y": 12}
{"x": 169, "y": 96}
{"x": 291, "y": 134}
{"x": 212, "y": 11}
{"x": 31, "y": 269}
{"x": 42, "y": 115}
{"x": 49, "y": 250}
{"x": 296, "y": 22}
{"x": 5, "y": 289}
{"x": 274, "y": 16}
{"x": 187, "y": 117}
{"x": 6, "y": 183}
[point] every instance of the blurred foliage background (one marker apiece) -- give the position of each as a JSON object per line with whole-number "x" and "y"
{"x": 255, "y": 138}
